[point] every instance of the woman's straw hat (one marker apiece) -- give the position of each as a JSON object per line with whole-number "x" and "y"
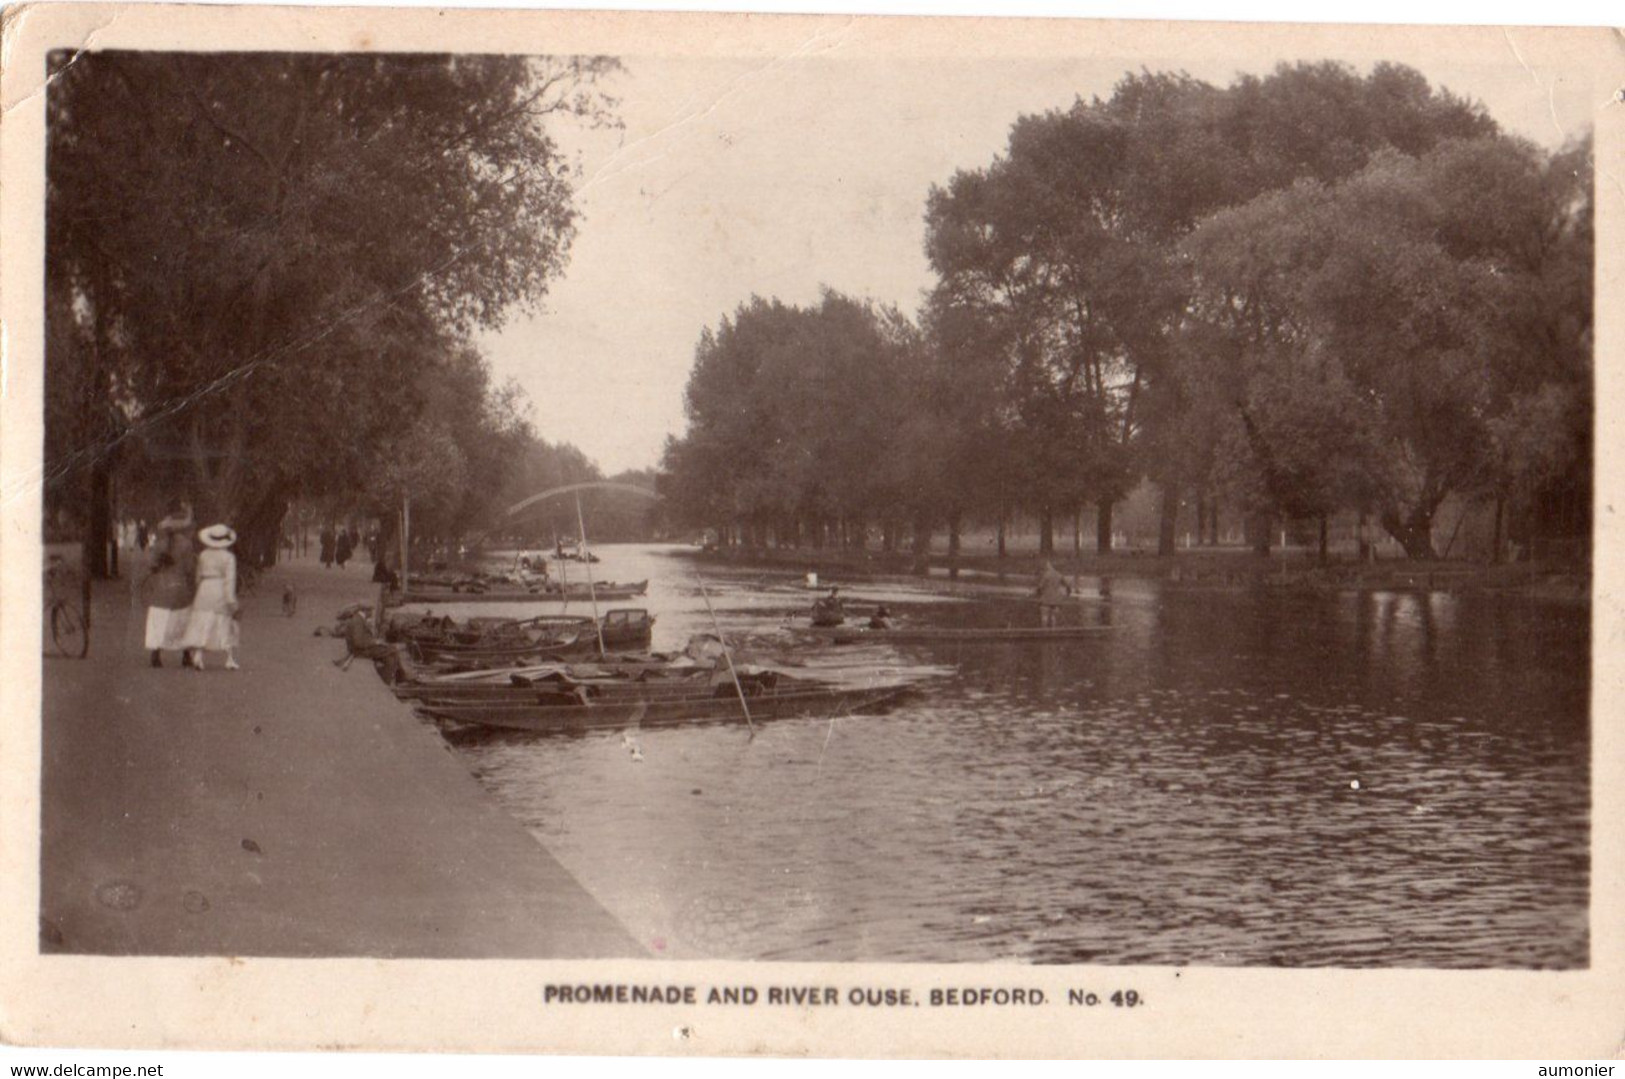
{"x": 217, "y": 536}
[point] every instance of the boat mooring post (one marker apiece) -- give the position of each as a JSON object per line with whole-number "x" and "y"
{"x": 406, "y": 543}
{"x": 586, "y": 560}
{"x": 727, "y": 654}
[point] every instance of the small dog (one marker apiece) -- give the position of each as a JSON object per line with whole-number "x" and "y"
{"x": 290, "y": 601}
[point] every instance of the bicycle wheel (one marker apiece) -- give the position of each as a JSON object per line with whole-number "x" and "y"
{"x": 69, "y": 632}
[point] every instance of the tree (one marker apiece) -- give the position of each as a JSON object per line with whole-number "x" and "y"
{"x": 266, "y": 248}
{"x": 1067, "y": 247}
{"x": 1415, "y": 286}
{"x": 795, "y": 422}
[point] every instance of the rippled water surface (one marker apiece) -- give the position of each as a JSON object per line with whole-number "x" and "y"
{"x": 1222, "y": 778}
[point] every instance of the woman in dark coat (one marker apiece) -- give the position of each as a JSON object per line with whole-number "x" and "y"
{"x": 327, "y": 545}
{"x": 345, "y": 546}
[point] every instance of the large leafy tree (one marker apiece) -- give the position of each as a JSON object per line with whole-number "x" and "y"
{"x": 254, "y": 256}
{"x": 796, "y": 420}
{"x": 1435, "y": 296}
{"x": 1066, "y": 247}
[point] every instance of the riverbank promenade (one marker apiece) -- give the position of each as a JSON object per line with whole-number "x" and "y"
{"x": 286, "y": 809}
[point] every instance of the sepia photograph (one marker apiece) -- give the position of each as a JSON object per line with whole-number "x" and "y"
{"x": 877, "y": 494}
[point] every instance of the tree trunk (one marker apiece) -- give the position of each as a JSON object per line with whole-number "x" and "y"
{"x": 1103, "y": 526}
{"x": 1261, "y": 526}
{"x": 1168, "y": 521}
{"x": 1325, "y": 541}
{"x": 1498, "y": 551}
{"x": 1001, "y": 534}
{"x": 99, "y": 526}
{"x": 1414, "y": 530}
{"x": 955, "y": 521}
{"x": 1046, "y": 531}
{"x": 922, "y": 544}
{"x": 1213, "y": 522}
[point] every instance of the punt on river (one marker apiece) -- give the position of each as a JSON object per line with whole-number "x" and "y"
{"x": 479, "y": 593}
{"x": 927, "y": 634}
{"x": 716, "y": 705}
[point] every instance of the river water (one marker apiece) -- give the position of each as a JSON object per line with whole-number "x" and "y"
{"x": 1223, "y": 778}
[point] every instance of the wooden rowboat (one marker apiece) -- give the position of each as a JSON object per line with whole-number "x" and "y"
{"x": 506, "y": 643}
{"x": 573, "y": 594}
{"x": 722, "y": 705}
{"x": 523, "y": 687}
{"x": 967, "y": 634}
{"x": 493, "y": 654}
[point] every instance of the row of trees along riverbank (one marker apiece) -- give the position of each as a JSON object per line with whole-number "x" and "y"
{"x": 265, "y": 273}
{"x": 1297, "y": 295}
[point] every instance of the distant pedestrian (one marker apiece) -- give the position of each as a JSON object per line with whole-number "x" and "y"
{"x": 167, "y": 593}
{"x": 141, "y": 535}
{"x": 346, "y": 546}
{"x": 1052, "y": 593}
{"x": 328, "y": 542}
{"x": 212, "y": 625}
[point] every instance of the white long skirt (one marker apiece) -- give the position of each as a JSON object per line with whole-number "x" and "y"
{"x": 210, "y": 626}
{"x": 167, "y": 629}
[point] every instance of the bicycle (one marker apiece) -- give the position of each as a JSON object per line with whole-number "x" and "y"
{"x": 69, "y": 613}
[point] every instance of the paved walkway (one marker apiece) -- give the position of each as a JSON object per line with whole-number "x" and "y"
{"x": 287, "y": 809}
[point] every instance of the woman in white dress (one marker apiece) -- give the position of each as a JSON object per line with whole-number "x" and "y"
{"x": 211, "y": 625}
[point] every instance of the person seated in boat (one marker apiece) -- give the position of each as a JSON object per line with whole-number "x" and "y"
{"x": 881, "y": 619}
{"x": 829, "y": 610}
{"x": 1052, "y": 593}
{"x": 703, "y": 650}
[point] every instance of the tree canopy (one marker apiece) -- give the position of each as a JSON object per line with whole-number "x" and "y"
{"x": 795, "y": 420}
{"x": 1310, "y": 291}
{"x": 265, "y": 267}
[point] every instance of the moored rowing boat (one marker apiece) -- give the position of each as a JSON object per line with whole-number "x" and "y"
{"x": 968, "y": 634}
{"x": 537, "y": 594}
{"x": 720, "y": 705}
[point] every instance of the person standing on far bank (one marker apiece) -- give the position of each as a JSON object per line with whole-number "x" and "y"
{"x": 327, "y": 546}
{"x": 345, "y": 546}
{"x": 213, "y": 625}
{"x": 1052, "y": 592}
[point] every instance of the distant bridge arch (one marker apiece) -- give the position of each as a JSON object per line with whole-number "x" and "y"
{"x": 594, "y": 485}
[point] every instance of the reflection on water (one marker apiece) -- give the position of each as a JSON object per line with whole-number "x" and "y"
{"x": 1225, "y": 778}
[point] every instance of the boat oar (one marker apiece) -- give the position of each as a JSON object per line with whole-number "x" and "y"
{"x": 592, "y": 593}
{"x": 727, "y": 654}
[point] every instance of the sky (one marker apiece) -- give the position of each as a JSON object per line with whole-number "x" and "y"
{"x": 782, "y": 176}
